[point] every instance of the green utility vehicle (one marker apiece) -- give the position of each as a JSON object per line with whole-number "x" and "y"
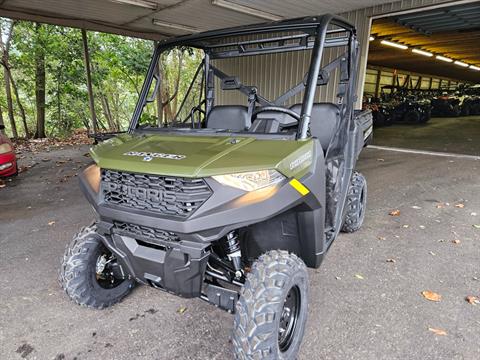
{"x": 234, "y": 196}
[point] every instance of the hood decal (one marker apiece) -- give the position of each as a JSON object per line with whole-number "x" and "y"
{"x": 149, "y": 156}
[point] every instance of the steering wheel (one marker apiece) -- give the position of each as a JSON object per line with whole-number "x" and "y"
{"x": 278, "y": 109}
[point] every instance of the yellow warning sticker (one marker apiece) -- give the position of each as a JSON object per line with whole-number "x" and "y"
{"x": 297, "y": 185}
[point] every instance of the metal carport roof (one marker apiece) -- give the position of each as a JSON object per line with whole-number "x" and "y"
{"x": 452, "y": 32}
{"x": 174, "y": 17}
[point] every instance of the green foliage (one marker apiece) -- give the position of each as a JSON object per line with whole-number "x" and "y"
{"x": 118, "y": 66}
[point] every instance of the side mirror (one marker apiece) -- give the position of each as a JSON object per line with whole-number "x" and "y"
{"x": 2, "y": 127}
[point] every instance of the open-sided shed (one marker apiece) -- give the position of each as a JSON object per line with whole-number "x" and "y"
{"x": 159, "y": 19}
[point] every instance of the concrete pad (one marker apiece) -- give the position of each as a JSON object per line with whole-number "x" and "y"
{"x": 459, "y": 135}
{"x": 382, "y": 316}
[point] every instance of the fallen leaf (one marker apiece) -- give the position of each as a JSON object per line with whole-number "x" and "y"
{"x": 391, "y": 260}
{"x": 422, "y": 226}
{"x": 460, "y": 206}
{"x": 441, "y": 205}
{"x": 476, "y": 226}
{"x": 394, "y": 212}
{"x": 472, "y": 300}
{"x": 2, "y": 184}
{"x": 381, "y": 160}
{"x": 439, "y": 332}
{"x": 406, "y": 226}
{"x": 473, "y": 214}
{"x": 182, "y": 309}
{"x": 432, "y": 296}
{"x": 50, "y": 223}
{"x": 382, "y": 238}
{"x": 416, "y": 207}
{"x": 358, "y": 276}
{"x": 456, "y": 241}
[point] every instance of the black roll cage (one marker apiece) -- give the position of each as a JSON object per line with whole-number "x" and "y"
{"x": 316, "y": 27}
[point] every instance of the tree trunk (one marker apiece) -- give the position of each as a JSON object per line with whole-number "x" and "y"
{"x": 5, "y": 39}
{"x": 8, "y": 93}
{"x": 177, "y": 82}
{"x": 159, "y": 96}
{"x": 40, "y": 84}
{"x": 170, "y": 104}
{"x": 166, "y": 106}
{"x": 59, "y": 99}
{"x": 2, "y": 123}
{"x": 19, "y": 104}
{"x": 107, "y": 113}
{"x": 86, "y": 58}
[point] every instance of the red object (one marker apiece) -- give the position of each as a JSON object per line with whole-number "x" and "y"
{"x": 8, "y": 160}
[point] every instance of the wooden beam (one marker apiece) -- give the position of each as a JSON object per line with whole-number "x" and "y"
{"x": 377, "y": 83}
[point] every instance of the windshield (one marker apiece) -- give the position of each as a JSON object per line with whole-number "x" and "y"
{"x": 240, "y": 83}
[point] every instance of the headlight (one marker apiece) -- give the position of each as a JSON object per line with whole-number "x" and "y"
{"x": 5, "y": 148}
{"x": 250, "y": 181}
{"x": 93, "y": 177}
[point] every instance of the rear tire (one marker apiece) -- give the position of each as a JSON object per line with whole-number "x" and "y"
{"x": 426, "y": 116}
{"x": 379, "y": 118}
{"x": 272, "y": 308}
{"x": 412, "y": 117}
{"x": 355, "y": 204}
{"x": 456, "y": 111}
{"x": 466, "y": 110}
{"x": 79, "y": 275}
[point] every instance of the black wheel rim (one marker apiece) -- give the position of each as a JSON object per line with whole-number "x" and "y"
{"x": 108, "y": 272}
{"x": 362, "y": 202}
{"x": 289, "y": 318}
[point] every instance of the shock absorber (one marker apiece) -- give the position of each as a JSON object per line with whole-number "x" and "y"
{"x": 234, "y": 253}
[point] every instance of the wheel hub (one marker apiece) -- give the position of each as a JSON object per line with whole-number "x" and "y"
{"x": 108, "y": 272}
{"x": 100, "y": 267}
{"x": 288, "y": 319}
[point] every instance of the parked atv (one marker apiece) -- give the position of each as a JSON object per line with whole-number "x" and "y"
{"x": 230, "y": 203}
{"x": 380, "y": 112}
{"x": 446, "y": 105}
{"x": 404, "y": 105}
{"x": 471, "y": 100}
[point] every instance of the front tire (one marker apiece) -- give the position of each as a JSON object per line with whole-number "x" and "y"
{"x": 90, "y": 274}
{"x": 412, "y": 117}
{"x": 272, "y": 308}
{"x": 355, "y": 204}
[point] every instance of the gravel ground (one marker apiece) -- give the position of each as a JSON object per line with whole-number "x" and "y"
{"x": 361, "y": 305}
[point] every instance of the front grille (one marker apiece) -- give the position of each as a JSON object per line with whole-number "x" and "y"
{"x": 165, "y": 195}
{"x": 145, "y": 232}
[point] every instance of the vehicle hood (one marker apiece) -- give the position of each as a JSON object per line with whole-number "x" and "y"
{"x": 202, "y": 156}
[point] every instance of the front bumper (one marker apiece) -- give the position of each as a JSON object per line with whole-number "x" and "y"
{"x": 8, "y": 164}
{"x": 176, "y": 267}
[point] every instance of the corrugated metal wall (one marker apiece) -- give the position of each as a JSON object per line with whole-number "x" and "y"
{"x": 275, "y": 73}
